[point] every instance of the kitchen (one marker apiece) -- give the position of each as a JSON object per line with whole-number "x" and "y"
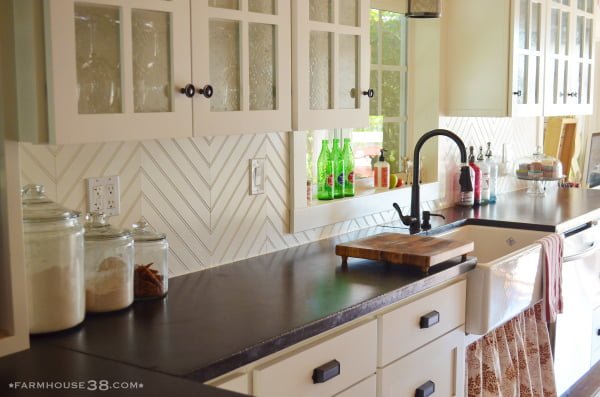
{"x": 196, "y": 190}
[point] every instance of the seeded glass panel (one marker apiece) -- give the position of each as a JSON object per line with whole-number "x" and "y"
{"x": 391, "y": 142}
{"x": 588, "y": 85}
{"x": 98, "y": 54}
{"x": 523, "y": 23}
{"x": 564, "y": 78}
{"x": 151, "y": 36}
{"x": 262, "y": 66}
{"x": 391, "y": 32}
{"x": 262, "y": 6}
{"x": 555, "y": 85}
{"x": 564, "y": 33}
{"x": 348, "y": 89}
{"x": 321, "y": 10}
{"x": 536, "y": 18}
{"x": 230, "y": 4}
{"x": 584, "y": 81}
{"x": 320, "y": 69}
{"x": 536, "y": 79}
{"x": 566, "y": 2}
{"x": 374, "y": 102}
{"x": 579, "y": 29}
{"x": 224, "y": 49}
{"x": 374, "y": 35}
{"x": 348, "y": 12}
{"x": 590, "y": 6}
{"x": 589, "y": 43}
{"x": 554, "y": 24}
{"x": 391, "y": 91}
{"x": 522, "y": 78}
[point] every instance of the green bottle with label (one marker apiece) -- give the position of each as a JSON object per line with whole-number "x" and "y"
{"x": 325, "y": 173}
{"x": 338, "y": 169}
{"x": 348, "y": 157}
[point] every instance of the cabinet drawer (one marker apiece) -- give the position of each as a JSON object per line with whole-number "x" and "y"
{"x": 355, "y": 350}
{"x": 441, "y": 362}
{"x": 236, "y": 382}
{"x": 366, "y": 388}
{"x": 401, "y": 332}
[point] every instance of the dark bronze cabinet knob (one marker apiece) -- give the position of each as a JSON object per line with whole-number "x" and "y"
{"x": 206, "y": 91}
{"x": 370, "y": 93}
{"x": 518, "y": 93}
{"x": 189, "y": 90}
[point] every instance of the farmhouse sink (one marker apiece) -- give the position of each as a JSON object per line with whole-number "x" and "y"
{"x": 507, "y": 278}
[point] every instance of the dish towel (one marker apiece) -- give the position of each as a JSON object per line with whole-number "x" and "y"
{"x": 551, "y": 261}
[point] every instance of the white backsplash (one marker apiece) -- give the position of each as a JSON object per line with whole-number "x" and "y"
{"x": 196, "y": 190}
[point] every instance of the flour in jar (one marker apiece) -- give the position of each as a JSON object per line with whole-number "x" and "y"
{"x": 111, "y": 287}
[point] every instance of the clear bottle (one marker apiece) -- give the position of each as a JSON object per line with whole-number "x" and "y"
{"x": 53, "y": 242}
{"x": 463, "y": 198}
{"x": 338, "y": 169}
{"x": 493, "y": 165}
{"x": 485, "y": 177}
{"x": 348, "y": 168}
{"x": 109, "y": 256}
{"x": 325, "y": 173}
{"x": 381, "y": 172}
{"x": 477, "y": 178}
{"x": 151, "y": 272}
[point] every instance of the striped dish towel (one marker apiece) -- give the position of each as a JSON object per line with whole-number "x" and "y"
{"x": 551, "y": 261}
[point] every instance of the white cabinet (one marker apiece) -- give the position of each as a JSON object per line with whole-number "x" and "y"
{"x": 114, "y": 69}
{"x": 437, "y": 369}
{"x": 331, "y": 59}
{"x": 493, "y": 61}
{"x": 140, "y": 69}
{"x": 569, "y": 57}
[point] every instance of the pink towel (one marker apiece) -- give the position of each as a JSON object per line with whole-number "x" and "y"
{"x": 551, "y": 260}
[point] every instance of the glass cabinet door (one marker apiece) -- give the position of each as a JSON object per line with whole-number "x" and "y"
{"x": 528, "y": 50}
{"x": 331, "y": 60}
{"x": 580, "y": 85}
{"x": 117, "y": 69}
{"x": 241, "y": 66}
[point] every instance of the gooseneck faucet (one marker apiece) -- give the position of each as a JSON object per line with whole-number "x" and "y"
{"x": 414, "y": 219}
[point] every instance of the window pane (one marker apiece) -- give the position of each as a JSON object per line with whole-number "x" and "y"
{"x": 224, "y": 65}
{"x": 348, "y": 91}
{"x": 321, "y": 10}
{"x": 262, "y": 6}
{"x": 320, "y": 70}
{"x": 391, "y": 92}
{"x": 589, "y": 42}
{"x": 391, "y": 142}
{"x": 349, "y": 12}
{"x": 391, "y": 40}
{"x": 262, "y": 66}
{"x": 554, "y": 25}
{"x": 536, "y": 19}
{"x": 523, "y": 23}
{"x": 98, "y": 53}
{"x": 564, "y": 33}
{"x": 579, "y": 31}
{"x": 374, "y": 102}
{"x": 230, "y": 4}
{"x": 522, "y": 78}
{"x": 374, "y": 37}
{"x": 151, "y": 41}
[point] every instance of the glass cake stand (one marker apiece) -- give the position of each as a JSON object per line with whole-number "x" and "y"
{"x": 537, "y": 186}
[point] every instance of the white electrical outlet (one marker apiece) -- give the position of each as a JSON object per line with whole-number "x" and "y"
{"x": 103, "y": 195}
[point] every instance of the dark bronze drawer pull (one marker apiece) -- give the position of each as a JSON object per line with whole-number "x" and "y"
{"x": 326, "y": 371}
{"x": 430, "y": 319}
{"x": 425, "y": 390}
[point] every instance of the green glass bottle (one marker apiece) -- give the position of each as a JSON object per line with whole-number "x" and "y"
{"x": 338, "y": 169}
{"x": 325, "y": 173}
{"x": 348, "y": 157}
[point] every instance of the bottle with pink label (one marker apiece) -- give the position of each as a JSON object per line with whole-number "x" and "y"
{"x": 477, "y": 172}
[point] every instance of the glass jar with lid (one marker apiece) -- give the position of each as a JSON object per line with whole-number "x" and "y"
{"x": 53, "y": 239}
{"x": 151, "y": 272}
{"x": 109, "y": 255}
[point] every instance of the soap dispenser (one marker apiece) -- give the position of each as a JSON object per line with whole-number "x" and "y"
{"x": 381, "y": 172}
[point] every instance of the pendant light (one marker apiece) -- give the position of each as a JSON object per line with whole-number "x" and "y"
{"x": 424, "y": 9}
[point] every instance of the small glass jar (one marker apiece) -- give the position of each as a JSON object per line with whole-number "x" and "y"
{"x": 109, "y": 255}
{"x": 53, "y": 239}
{"x": 151, "y": 272}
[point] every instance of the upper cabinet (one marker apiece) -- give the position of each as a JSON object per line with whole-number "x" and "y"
{"x": 115, "y": 68}
{"x": 331, "y": 64}
{"x": 241, "y": 66}
{"x": 140, "y": 69}
{"x": 493, "y": 61}
{"x": 569, "y": 57}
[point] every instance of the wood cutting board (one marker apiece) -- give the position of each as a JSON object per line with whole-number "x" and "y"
{"x": 400, "y": 249}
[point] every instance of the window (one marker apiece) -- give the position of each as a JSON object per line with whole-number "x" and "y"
{"x": 387, "y": 120}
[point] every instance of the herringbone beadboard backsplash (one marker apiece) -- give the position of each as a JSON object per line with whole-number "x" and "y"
{"x": 196, "y": 190}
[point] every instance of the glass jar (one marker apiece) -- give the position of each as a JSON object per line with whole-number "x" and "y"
{"x": 53, "y": 240}
{"x": 109, "y": 255}
{"x": 151, "y": 272}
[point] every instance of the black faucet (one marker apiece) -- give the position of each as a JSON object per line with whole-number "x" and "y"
{"x": 413, "y": 220}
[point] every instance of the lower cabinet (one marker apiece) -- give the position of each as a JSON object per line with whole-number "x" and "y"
{"x": 435, "y": 369}
{"x": 235, "y": 382}
{"x": 366, "y": 388}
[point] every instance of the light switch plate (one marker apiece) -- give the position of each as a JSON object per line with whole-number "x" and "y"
{"x": 103, "y": 195}
{"x": 257, "y": 176}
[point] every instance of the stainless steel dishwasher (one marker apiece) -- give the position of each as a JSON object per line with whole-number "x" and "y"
{"x": 575, "y": 333}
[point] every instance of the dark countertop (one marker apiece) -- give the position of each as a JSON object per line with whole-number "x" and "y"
{"x": 221, "y": 318}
